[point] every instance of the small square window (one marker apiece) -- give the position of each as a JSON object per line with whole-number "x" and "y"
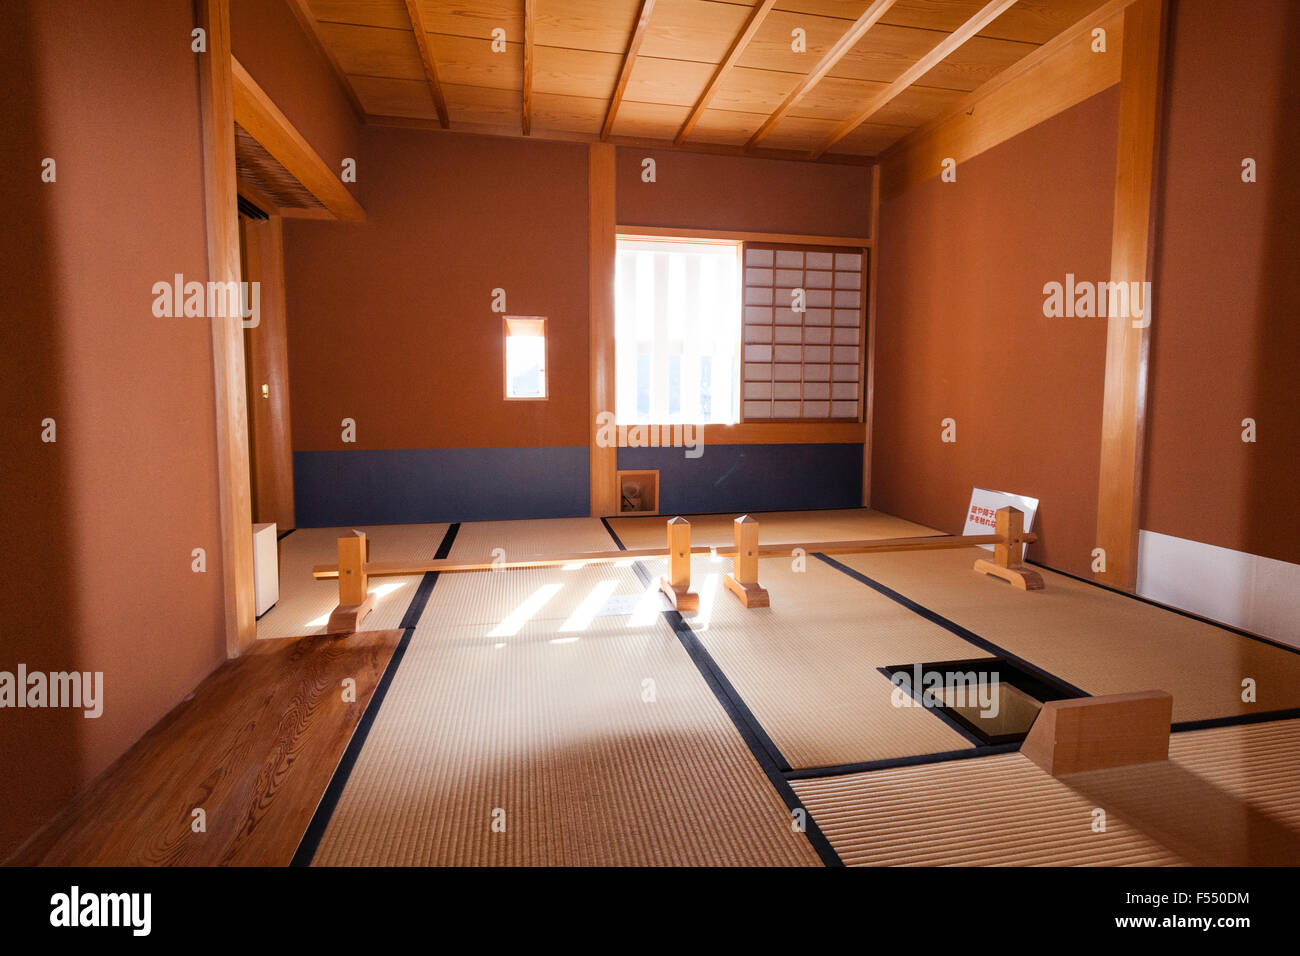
{"x": 525, "y": 357}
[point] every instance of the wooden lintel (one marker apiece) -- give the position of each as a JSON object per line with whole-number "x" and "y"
{"x": 256, "y": 112}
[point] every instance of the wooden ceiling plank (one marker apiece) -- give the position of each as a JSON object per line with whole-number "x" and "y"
{"x": 854, "y": 33}
{"x": 629, "y": 60}
{"x": 737, "y": 48}
{"x": 990, "y": 12}
{"x": 530, "y": 24}
{"x": 426, "y": 57}
{"x": 302, "y": 11}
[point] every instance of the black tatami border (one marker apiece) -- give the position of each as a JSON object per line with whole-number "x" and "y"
{"x": 765, "y": 752}
{"x": 952, "y": 627}
{"x": 311, "y": 838}
{"x": 973, "y": 638}
{"x": 914, "y": 760}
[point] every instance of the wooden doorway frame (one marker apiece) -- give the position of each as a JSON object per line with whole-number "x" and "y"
{"x": 220, "y": 202}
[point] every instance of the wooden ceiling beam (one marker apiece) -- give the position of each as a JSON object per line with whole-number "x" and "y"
{"x": 426, "y": 57}
{"x": 755, "y": 21}
{"x": 827, "y": 63}
{"x": 974, "y": 25}
{"x": 629, "y": 60}
{"x": 530, "y": 18}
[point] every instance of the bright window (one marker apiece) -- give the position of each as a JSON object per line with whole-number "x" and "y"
{"x": 677, "y": 332}
{"x": 525, "y": 356}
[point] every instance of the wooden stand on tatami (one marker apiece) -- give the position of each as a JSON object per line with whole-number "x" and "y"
{"x": 743, "y": 579}
{"x": 354, "y": 600}
{"x": 1006, "y": 553}
{"x": 677, "y": 583}
{"x": 1007, "y": 546}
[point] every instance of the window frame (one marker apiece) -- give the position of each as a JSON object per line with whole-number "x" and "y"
{"x": 505, "y": 358}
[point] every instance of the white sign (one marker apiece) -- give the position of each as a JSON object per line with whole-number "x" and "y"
{"x": 981, "y": 516}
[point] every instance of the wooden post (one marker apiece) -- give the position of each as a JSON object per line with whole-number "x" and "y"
{"x": 743, "y": 579}
{"x": 355, "y": 601}
{"x": 677, "y": 585}
{"x": 1006, "y": 553}
{"x": 1132, "y": 263}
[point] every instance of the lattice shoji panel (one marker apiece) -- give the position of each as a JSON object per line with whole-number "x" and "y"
{"x": 806, "y": 365}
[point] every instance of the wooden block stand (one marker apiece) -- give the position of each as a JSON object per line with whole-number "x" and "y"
{"x": 354, "y": 600}
{"x": 1006, "y": 553}
{"x": 677, "y": 585}
{"x": 1094, "y": 733}
{"x": 743, "y": 579}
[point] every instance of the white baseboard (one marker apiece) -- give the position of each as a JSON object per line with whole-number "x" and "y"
{"x": 1257, "y": 594}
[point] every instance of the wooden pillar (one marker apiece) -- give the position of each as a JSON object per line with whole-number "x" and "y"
{"x": 1124, "y": 403}
{"x": 602, "y": 247}
{"x": 216, "y": 102}
{"x": 743, "y": 579}
{"x": 677, "y": 584}
{"x": 267, "y": 351}
{"x": 869, "y": 346}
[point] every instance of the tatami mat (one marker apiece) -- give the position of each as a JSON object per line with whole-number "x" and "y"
{"x": 1103, "y": 642}
{"x": 550, "y": 732}
{"x": 305, "y": 604}
{"x": 518, "y": 540}
{"x": 1226, "y": 796}
{"x": 808, "y": 665}
{"x": 521, "y": 699}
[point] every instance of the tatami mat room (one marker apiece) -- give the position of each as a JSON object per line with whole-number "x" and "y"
{"x": 571, "y": 433}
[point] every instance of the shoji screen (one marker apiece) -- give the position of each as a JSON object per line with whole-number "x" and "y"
{"x": 804, "y": 333}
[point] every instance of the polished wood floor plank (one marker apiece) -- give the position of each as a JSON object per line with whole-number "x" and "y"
{"x": 254, "y": 747}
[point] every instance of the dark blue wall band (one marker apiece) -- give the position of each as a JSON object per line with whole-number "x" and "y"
{"x": 413, "y": 486}
{"x": 419, "y": 486}
{"x": 310, "y": 841}
{"x": 753, "y": 477}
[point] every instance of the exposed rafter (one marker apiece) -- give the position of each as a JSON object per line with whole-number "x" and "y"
{"x": 836, "y": 53}
{"x": 737, "y": 48}
{"x": 530, "y": 16}
{"x": 629, "y": 60}
{"x": 974, "y": 25}
{"x": 426, "y": 56}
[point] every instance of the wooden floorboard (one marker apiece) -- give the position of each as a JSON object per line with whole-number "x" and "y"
{"x": 254, "y": 748}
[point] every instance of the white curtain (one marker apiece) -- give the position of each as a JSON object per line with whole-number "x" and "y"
{"x": 677, "y": 331}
